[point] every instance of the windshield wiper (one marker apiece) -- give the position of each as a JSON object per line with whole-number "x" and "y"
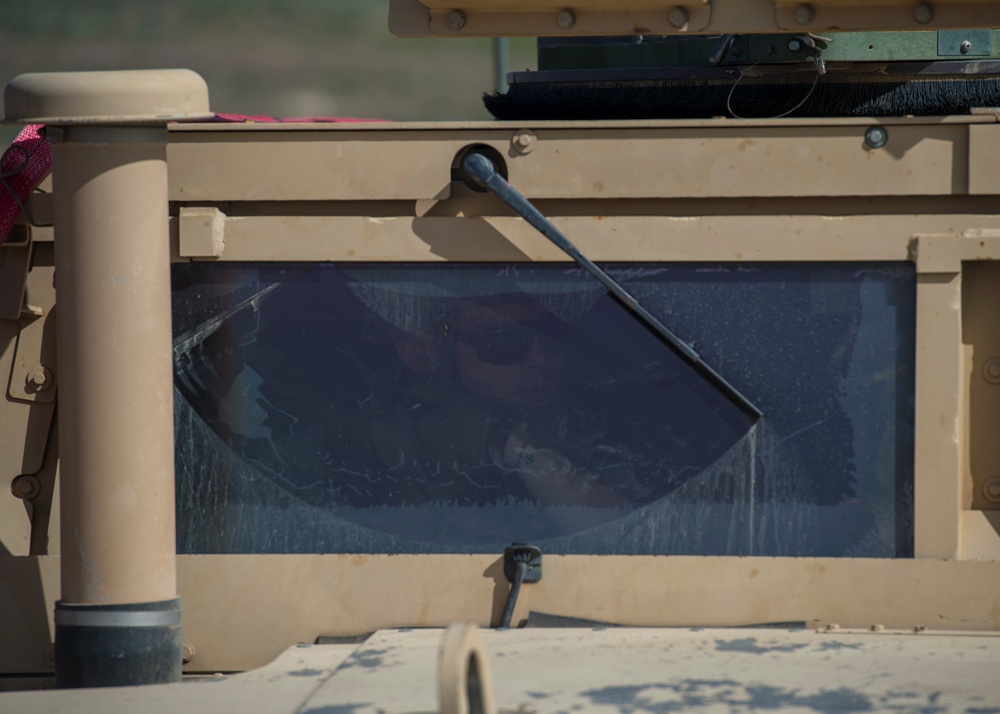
{"x": 482, "y": 168}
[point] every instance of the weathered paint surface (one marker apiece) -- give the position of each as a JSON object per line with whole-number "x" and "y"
{"x": 597, "y": 670}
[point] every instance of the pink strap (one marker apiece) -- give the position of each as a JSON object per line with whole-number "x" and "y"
{"x": 24, "y": 165}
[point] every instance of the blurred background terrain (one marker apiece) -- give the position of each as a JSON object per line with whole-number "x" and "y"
{"x": 274, "y": 57}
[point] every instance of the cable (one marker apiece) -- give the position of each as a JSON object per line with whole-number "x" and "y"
{"x": 729, "y": 97}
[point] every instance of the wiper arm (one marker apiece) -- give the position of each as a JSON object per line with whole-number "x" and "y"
{"x": 482, "y": 168}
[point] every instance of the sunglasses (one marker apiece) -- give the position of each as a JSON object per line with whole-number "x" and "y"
{"x": 509, "y": 343}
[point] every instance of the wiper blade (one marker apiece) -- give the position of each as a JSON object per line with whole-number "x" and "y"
{"x": 482, "y": 168}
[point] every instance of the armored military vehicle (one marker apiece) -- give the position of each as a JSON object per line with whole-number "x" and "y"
{"x": 675, "y": 387}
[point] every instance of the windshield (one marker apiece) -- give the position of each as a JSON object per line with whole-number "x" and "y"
{"x": 459, "y": 408}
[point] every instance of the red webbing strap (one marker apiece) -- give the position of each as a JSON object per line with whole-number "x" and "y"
{"x": 24, "y": 165}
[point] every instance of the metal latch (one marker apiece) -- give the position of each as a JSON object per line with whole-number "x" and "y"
{"x": 806, "y": 45}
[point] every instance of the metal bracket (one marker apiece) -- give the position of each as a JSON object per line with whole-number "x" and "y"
{"x": 965, "y": 43}
{"x": 33, "y": 377}
{"x": 201, "y": 232}
{"x": 14, "y": 261}
{"x": 944, "y": 253}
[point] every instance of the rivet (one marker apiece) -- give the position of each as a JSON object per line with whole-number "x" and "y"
{"x": 876, "y": 137}
{"x": 923, "y": 13}
{"x": 991, "y": 370}
{"x": 188, "y": 652}
{"x": 965, "y": 47}
{"x": 794, "y": 45}
{"x": 25, "y": 487}
{"x": 804, "y": 14}
{"x": 991, "y": 490}
{"x": 678, "y": 17}
{"x": 566, "y": 19}
{"x": 456, "y": 19}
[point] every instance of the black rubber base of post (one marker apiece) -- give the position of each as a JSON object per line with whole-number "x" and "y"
{"x": 118, "y": 645}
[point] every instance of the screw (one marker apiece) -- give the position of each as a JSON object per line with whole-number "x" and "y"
{"x": 991, "y": 490}
{"x": 25, "y": 487}
{"x": 923, "y": 13}
{"x": 991, "y": 370}
{"x": 188, "y": 652}
{"x": 566, "y": 19}
{"x": 965, "y": 47}
{"x": 678, "y": 17}
{"x": 456, "y": 19}
{"x": 804, "y": 14}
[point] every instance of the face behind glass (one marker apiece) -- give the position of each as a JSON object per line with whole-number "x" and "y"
{"x": 532, "y": 381}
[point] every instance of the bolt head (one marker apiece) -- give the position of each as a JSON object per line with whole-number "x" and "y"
{"x": 456, "y": 19}
{"x": 189, "y": 652}
{"x": 991, "y": 490}
{"x": 923, "y": 13}
{"x": 678, "y": 17}
{"x": 25, "y": 487}
{"x": 876, "y": 137}
{"x": 38, "y": 379}
{"x": 991, "y": 370}
{"x": 566, "y": 19}
{"x": 523, "y": 141}
{"x": 804, "y": 14}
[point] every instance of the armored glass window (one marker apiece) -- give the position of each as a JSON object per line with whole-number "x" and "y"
{"x": 459, "y": 408}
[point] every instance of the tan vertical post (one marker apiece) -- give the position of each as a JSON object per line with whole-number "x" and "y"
{"x": 118, "y": 619}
